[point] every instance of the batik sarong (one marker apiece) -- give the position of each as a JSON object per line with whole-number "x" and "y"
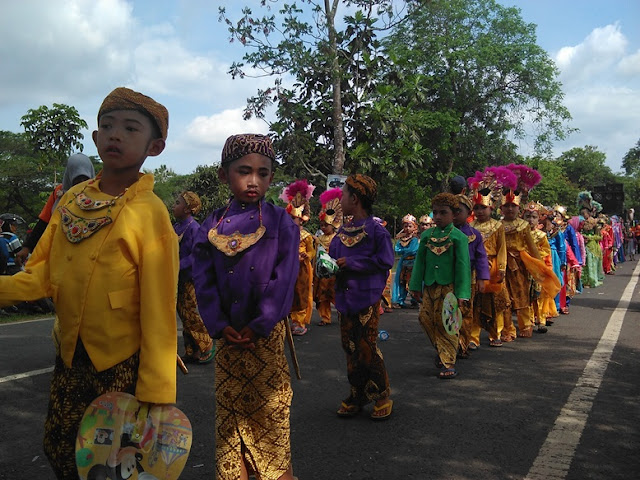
{"x": 253, "y": 400}
{"x": 366, "y": 370}
{"x": 196, "y": 337}
{"x": 430, "y": 317}
{"x": 72, "y": 390}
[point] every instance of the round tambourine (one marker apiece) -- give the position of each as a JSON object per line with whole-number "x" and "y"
{"x": 120, "y": 437}
{"x": 451, "y": 314}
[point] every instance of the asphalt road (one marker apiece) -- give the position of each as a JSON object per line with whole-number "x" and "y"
{"x": 559, "y": 405}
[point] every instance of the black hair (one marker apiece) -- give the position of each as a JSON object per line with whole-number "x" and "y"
{"x": 366, "y": 202}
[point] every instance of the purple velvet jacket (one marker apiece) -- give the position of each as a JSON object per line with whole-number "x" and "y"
{"x": 361, "y": 283}
{"x": 253, "y": 288}
{"x": 477, "y": 253}
{"x": 188, "y": 228}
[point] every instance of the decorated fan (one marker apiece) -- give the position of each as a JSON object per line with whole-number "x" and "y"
{"x": 451, "y": 314}
{"x": 120, "y": 437}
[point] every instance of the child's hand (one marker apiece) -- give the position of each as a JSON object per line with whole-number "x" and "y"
{"x": 247, "y": 334}
{"x": 482, "y": 285}
{"x": 342, "y": 262}
{"x": 303, "y": 256}
{"x": 500, "y": 276}
{"x": 235, "y": 338}
{"x": 416, "y": 295}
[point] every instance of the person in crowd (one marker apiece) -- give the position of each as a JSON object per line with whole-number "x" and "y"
{"x": 405, "y": 247}
{"x": 479, "y": 268}
{"x": 297, "y": 196}
{"x": 442, "y": 266}
{"x": 330, "y": 221}
{"x": 198, "y": 345}
{"x": 79, "y": 168}
{"x": 10, "y": 244}
{"x": 535, "y": 214}
{"x": 364, "y": 252}
{"x": 110, "y": 261}
{"x": 489, "y": 307}
{"x": 424, "y": 223}
{"x": 245, "y": 262}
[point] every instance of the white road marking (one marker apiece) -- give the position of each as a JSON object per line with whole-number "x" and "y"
{"x": 26, "y": 321}
{"x": 555, "y": 455}
{"x": 32, "y": 373}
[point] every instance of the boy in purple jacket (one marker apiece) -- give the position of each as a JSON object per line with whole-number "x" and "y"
{"x": 479, "y": 269}
{"x": 363, "y": 251}
{"x": 245, "y": 264}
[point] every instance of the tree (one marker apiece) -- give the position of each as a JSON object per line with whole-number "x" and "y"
{"x": 54, "y": 133}
{"x": 467, "y": 75}
{"x": 555, "y": 187}
{"x": 310, "y": 131}
{"x": 22, "y": 177}
{"x": 631, "y": 161}
{"x": 585, "y": 167}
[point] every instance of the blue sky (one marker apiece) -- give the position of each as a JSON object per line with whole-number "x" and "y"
{"x": 76, "y": 51}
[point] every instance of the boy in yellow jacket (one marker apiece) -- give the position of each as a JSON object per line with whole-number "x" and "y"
{"x": 109, "y": 259}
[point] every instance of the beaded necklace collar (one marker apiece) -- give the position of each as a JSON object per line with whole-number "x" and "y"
{"x": 77, "y": 228}
{"x": 237, "y": 242}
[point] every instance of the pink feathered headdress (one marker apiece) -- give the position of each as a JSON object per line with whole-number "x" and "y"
{"x": 487, "y": 185}
{"x": 297, "y": 195}
{"x": 527, "y": 178}
{"x": 331, "y": 209}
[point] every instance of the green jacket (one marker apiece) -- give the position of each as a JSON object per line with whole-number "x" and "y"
{"x": 443, "y": 258}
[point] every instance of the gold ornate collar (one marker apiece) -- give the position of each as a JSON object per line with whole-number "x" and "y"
{"x": 439, "y": 245}
{"x": 237, "y": 242}
{"x": 350, "y": 236}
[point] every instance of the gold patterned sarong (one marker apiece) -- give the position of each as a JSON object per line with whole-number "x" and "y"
{"x": 196, "y": 337}
{"x": 430, "y": 317}
{"x": 253, "y": 399}
{"x": 366, "y": 369}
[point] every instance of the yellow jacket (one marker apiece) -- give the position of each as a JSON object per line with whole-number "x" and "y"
{"x": 115, "y": 289}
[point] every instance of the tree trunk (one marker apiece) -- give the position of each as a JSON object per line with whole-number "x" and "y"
{"x": 338, "y": 126}
{"x": 453, "y": 152}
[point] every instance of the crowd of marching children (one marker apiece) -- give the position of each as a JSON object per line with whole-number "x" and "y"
{"x": 247, "y": 278}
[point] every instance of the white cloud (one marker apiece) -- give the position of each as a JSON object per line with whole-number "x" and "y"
{"x": 601, "y": 83}
{"x": 49, "y": 50}
{"x": 212, "y": 131}
{"x": 629, "y": 66}
{"x": 601, "y": 49}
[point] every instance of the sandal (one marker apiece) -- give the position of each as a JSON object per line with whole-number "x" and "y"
{"x": 541, "y": 329}
{"x": 382, "y": 412}
{"x": 322, "y": 323}
{"x": 207, "y": 356}
{"x": 495, "y": 343}
{"x": 438, "y": 362}
{"x": 448, "y": 373}
{"x": 525, "y": 332}
{"x": 348, "y": 409}
{"x": 473, "y": 346}
{"x": 298, "y": 330}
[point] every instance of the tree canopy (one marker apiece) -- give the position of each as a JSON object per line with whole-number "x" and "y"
{"x": 54, "y": 133}
{"x": 441, "y": 86}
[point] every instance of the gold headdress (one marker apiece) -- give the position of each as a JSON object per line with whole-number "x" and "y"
{"x": 487, "y": 185}
{"x": 527, "y": 178}
{"x": 331, "y": 211}
{"x": 426, "y": 219}
{"x": 297, "y": 196}
{"x": 408, "y": 218}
